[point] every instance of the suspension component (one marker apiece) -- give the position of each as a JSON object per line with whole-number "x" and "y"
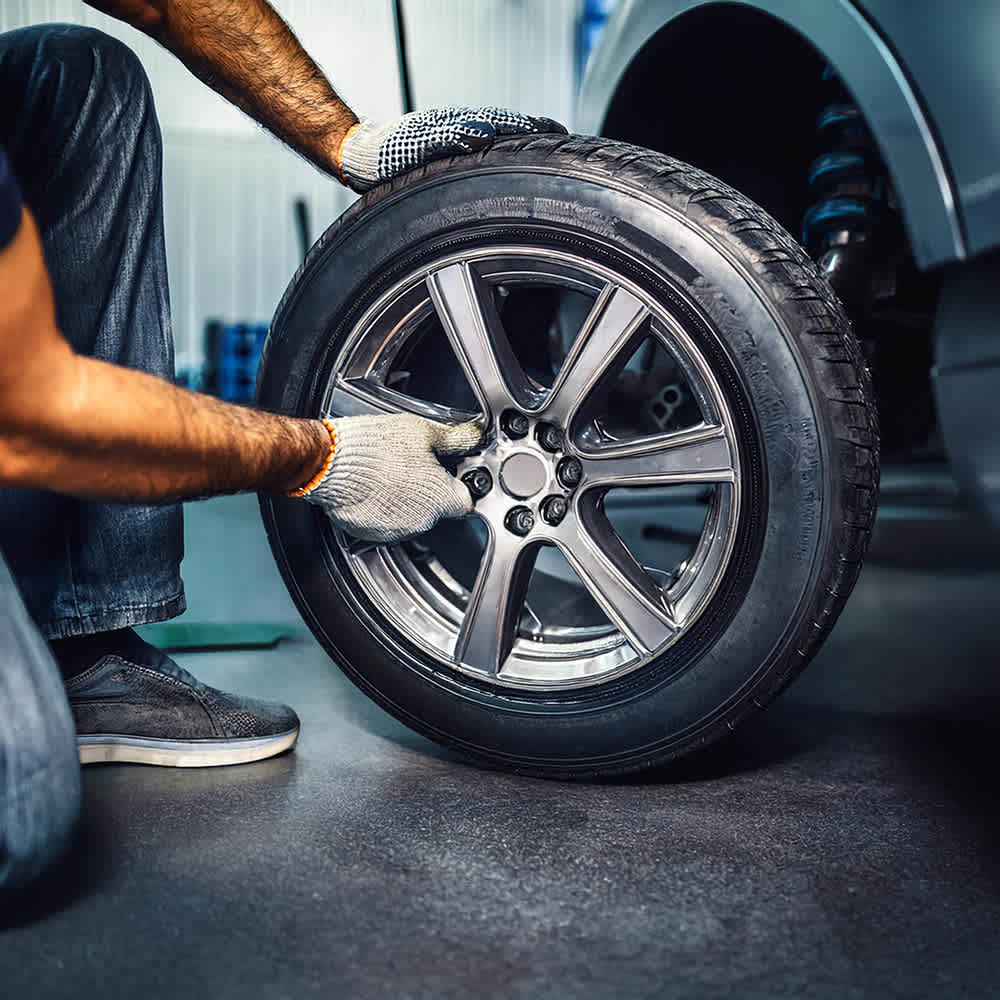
{"x": 849, "y": 229}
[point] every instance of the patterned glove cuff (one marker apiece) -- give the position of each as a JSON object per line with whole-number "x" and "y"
{"x": 304, "y": 491}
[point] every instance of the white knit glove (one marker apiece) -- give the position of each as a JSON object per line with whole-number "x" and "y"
{"x": 386, "y": 483}
{"x": 372, "y": 153}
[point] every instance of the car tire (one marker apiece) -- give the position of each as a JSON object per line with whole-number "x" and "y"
{"x": 769, "y": 352}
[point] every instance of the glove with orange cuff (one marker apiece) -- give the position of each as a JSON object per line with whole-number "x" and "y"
{"x": 384, "y": 482}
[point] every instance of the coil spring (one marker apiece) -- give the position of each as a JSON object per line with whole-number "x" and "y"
{"x": 848, "y": 179}
{"x": 854, "y": 214}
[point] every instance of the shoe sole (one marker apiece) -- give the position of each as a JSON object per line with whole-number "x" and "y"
{"x": 111, "y": 749}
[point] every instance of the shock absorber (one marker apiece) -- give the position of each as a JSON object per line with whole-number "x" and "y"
{"x": 854, "y": 231}
{"x": 850, "y": 227}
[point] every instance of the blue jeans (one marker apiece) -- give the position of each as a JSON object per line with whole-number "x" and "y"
{"x": 78, "y": 123}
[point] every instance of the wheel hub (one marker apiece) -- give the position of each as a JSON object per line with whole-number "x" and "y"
{"x": 523, "y": 475}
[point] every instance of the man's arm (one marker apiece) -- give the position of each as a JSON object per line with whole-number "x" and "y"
{"x": 246, "y": 52}
{"x": 84, "y": 427}
{"x": 88, "y": 428}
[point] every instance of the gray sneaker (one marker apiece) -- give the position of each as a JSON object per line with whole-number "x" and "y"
{"x": 160, "y": 714}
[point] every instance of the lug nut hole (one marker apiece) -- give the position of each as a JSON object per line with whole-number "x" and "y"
{"x": 569, "y": 472}
{"x": 513, "y": 424}
{"x": 479, "y": 481}
{"x": 549, "y": 436}
{"x": 519, "y": 520}
{"x": 553, "y": 508}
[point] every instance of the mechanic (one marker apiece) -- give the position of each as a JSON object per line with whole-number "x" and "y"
{"x": 97, "y": 446}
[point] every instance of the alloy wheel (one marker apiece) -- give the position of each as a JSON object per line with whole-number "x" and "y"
{"x": 558, "y": 472}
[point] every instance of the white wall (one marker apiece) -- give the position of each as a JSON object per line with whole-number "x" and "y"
{"x": 229, "y": 187}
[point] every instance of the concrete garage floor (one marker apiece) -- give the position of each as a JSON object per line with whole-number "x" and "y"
{"x": 843, "y": 844}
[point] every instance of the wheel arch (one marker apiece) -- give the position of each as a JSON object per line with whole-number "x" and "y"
{"x": 666, "y": 75}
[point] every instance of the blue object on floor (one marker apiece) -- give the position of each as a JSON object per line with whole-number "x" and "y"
{"x": 238, "y": 350}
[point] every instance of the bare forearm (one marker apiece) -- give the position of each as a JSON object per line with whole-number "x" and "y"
{"x": 246, "y": 52}
{"x": 118, "y": 434}
{"x": 81, "y": 426}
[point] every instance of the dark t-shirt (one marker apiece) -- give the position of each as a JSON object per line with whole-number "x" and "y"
{"x": 10, "y": 201}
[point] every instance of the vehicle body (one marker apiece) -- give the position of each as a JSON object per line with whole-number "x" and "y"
{"x": 737, "y": 90}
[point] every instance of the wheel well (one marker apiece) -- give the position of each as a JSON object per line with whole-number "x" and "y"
{"x": 731, "y": 90}
{"x": 737, "y": 92}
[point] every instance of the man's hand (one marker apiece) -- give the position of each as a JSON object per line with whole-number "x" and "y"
{"x": 386, "y": 483}
{"x": 372, "y": 153}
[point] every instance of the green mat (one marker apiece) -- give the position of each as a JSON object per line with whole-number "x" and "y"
{"x": 215, "y": 635}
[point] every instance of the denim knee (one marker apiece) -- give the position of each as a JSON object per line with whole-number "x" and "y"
{"x": 73, "y": 97}
{"x": 102, "y": 71}
{"x": 114, "y": 91}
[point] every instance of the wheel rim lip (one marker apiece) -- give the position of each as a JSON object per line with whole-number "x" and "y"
{"x": 605, "y": 654}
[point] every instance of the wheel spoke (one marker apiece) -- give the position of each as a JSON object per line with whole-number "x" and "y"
{"x": 491, "y": 618}
{"x": 626, "y": 592}
{"x": 464, "y": 304}
{"x": 695, "y": 455}
{"x": 610, "y": 330}
{"x": 352, "y": 397}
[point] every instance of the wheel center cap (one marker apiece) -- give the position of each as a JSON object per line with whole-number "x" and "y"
{"x": 522, "y": 475}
